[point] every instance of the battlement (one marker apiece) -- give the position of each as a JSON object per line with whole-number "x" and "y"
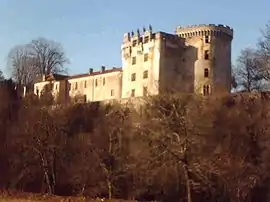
{"x": 204, "y": 30}
{"x": 132, "y": 39}
{"x": 138, "y": 35}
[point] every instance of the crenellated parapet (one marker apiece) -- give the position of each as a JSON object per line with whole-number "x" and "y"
{"x": 204, "y": 30}
{"x": 135, "y": 38}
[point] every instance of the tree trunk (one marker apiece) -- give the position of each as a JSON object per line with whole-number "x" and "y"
{"x": 186, "y": 165}
{"x": 44, "y": 165}
{"x": 109, "y": 185}
{"x": 188, "y": 184}
{"x": 47, "y": 179}
{"x": 53, "y": 171}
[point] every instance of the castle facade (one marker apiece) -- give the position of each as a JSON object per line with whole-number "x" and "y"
{"x": 195, "y": 59}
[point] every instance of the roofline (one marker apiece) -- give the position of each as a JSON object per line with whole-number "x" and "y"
{"x": 77, "y": 76}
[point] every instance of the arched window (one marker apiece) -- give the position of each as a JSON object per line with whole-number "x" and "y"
{"x": 206, "y": 89}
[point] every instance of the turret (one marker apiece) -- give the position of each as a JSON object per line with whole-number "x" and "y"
{"x": 205, "y": 30}
{"x": 212, "y": 66}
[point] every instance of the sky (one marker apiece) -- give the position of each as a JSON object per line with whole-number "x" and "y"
{"x": 91, "y": 31}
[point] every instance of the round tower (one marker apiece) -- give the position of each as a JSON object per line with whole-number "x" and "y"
{"x": 208, "y": 55}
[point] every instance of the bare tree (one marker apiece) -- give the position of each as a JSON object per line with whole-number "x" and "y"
{"x": 180, "y": 132}
{"x": 49, "y": 56}
{"x": 30, "y": 61}
{"x": 240, "y": 130}
{"x": 2, "y": 78}
{"x": 109, "y": 146}
{"x": 264, "y": 51}
{"x": 247, "y": 74}
{"x": 20, "y": 65}
{"x": 42, "y": 140}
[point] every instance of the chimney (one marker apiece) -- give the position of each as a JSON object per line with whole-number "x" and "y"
{"x": 103, "y": 68}
{"x": 43, "y": 77}
{"x": 91, "y": 71}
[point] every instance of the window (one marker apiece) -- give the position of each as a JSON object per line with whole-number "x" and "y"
{"x": 206, "y": 55}
{"x": 133, "y": 60}
{"x": 146, "y": 39}
{"x": 144, "y": 91}
{"x": 145, "y": 74}
{"x": 206, "y": 39}
{"x": 96, "y": 83}
{"x": 76, "y": 86}
{"x": 85, "y": 84}
{"x": 206, "y": 73}
{"x": 37, "y": 91}
{"x": 133, "y": 93}
{"x": 56, "y": 86}
{"x": 134, "y": 43}
{"x": 145, "y": 59}
{"x": 104, "y": 81}
{"x": 133, "y": 77}
{"x": 206, "y": 90}
{"x": 112, "y": 92}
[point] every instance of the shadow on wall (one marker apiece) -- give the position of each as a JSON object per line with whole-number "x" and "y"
{"x": 63, "y": 95}
{"x": 178, "y": 74}
{"x": 188, "y": 78}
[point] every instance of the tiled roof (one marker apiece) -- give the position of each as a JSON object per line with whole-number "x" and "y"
{"x": 56, "y": 77}
{"x": 59, "y": 77}
{"x": 95, "y": 73}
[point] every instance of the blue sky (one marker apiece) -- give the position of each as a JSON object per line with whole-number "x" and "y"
{"x": 91, "y": 31}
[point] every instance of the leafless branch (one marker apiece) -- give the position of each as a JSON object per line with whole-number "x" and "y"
{"x": 20, "y": 65}
{"x": 49, "y": 56}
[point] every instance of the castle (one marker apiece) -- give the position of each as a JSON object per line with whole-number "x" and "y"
{"x": 196, "y": 59}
